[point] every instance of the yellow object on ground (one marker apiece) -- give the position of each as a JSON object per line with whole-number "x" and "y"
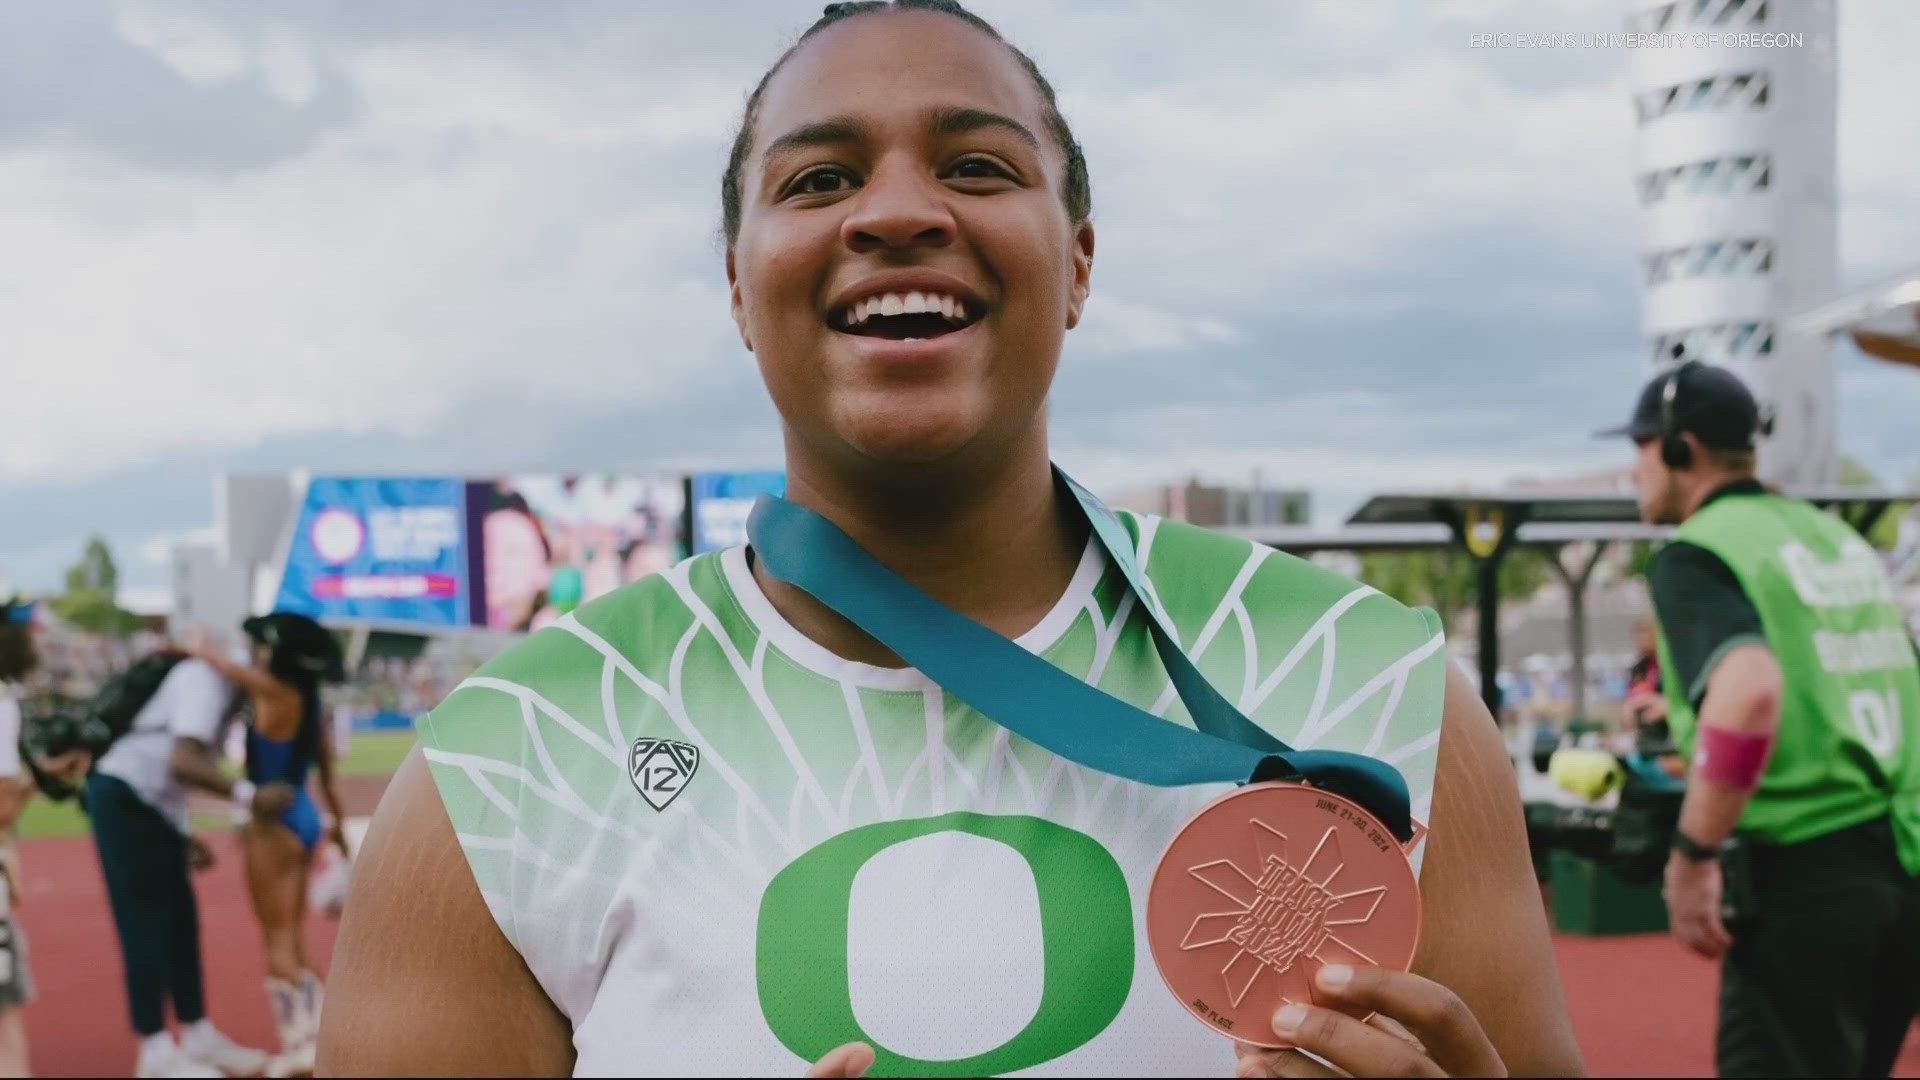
{"x": 1586, "y": 773}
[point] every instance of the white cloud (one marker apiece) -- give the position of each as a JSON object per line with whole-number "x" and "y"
{"x": 1879, "y": 156}
{"x": 184, "y": 41}
{"x": 473, "y": 235}
{"x": 516, "y": 205}
{"x": 1544, "y": 16}
{"x": 510, "y": 219}
{"x": 1315, "y": 190}
{"x": 288, "y": 66}
{"x": 157, "y": 550}
{"x": 1113, "y": 324}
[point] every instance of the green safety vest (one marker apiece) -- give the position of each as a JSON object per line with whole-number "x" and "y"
{"x": 1847, "y": 751}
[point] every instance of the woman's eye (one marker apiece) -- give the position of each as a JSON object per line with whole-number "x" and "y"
{"x": 821, "y": 182}
{"x": 978, "y": 169}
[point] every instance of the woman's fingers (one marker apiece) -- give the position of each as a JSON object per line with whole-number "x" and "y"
{"x": 1395, "y": 1028}
{"x": 1434, "y": 1015}
{"x": 851, "y": 1059}
{"x": 1355, "y": 1048}
{"x": 1258, "y": 1061}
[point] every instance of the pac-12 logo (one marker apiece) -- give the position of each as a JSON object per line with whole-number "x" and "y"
{"x": 661, "y": 768}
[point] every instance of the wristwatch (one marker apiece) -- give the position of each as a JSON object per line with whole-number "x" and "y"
{"x": 1692, "y": 850}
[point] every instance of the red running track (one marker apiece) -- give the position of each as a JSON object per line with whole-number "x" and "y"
{"x": 1641, "y": 1005}
{"x": 77, "y": 1023}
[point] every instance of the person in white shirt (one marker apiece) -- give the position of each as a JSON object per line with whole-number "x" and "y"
{"x": 137, "y": 798}
{"x": 16, "y": 984}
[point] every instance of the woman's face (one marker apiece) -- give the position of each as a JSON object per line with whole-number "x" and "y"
{"x": 898, "y": 154}
{"x": 516, "y": 567}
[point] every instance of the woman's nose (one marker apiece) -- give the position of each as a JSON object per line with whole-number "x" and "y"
{"x": 901, "y": 209}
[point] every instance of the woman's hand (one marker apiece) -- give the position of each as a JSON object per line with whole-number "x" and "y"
{"x": 70, "y": 768}
{"x": 272, "y": 799}
{"x": 199, "y": 855}
{"x": 338, "y": 837}
{"x": 851, "y": 1059}
{"x": 1647, "y": 708}
{"x": 1419, "y": 1028}
{"x": 198, "y": 641}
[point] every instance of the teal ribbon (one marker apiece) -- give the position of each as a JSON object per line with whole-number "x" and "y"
{"x": 1041, "y": 703}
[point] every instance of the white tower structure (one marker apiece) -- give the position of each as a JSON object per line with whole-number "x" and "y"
{"x": 1736, "y": 179}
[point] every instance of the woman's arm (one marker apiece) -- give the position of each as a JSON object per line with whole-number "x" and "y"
{"x": 329, "y": 795}
{"x": 423, "y": 981}
{"x": 1484, "y": 930}
{"x": 14, "y": 794}
{"x": 244, "y": 676}
{"x": 1483, "y": 998}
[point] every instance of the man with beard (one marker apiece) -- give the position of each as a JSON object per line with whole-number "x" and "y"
{"x": 1793, "y": 691}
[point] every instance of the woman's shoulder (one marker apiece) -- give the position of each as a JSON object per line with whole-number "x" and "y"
{"x": 1199, "y": 572}
{"x": 633, "y": 630}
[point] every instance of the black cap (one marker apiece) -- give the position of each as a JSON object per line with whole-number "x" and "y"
{"x": 304, "y": 640}
{"x": 1710, "y": 402}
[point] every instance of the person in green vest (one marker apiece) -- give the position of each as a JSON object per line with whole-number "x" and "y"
{"x": 1793, "y": 691}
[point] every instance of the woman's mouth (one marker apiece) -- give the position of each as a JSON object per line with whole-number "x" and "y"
{"x": 904, "y": 316}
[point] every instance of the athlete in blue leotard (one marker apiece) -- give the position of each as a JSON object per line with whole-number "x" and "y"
{"x": 286, "y": 761}
{"x": 291, "y": 654}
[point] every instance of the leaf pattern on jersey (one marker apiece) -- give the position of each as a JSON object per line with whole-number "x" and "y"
{"x": 530, "y": 754}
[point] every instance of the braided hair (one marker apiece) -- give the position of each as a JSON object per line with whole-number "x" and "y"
{"x": 284, "y": 666}
{"x": 300, "y": 654}
{"x": 1077, "y": 192}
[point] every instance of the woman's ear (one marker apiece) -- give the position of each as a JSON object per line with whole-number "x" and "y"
{"x": 738, "y": 307}
{"x": 1082, "y": 272}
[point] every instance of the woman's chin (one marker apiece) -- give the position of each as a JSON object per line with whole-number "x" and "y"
{"x": 917, "y": 437}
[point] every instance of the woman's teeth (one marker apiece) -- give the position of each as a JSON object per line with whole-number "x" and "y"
{"x": 951, "y": 308}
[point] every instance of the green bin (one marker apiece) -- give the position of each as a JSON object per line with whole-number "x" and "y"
{"x": 1589, "y": 898}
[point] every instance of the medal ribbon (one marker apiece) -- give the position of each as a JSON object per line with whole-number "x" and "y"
{"x": 1039, "y": 702}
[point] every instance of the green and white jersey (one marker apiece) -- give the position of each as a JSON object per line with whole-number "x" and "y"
{"x": 723, "y": 850}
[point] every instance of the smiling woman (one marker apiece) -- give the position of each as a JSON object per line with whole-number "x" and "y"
{"x": 791, "y": 805}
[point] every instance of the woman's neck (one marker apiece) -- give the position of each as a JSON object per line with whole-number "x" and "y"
{"x": 998, "y": 546}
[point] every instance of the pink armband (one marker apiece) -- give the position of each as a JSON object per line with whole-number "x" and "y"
{"x": 1733, "y": 759}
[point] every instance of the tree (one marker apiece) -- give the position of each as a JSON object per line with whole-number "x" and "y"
{"x": 95, "y": 572}
{"x": 92, "y": 586}
{"x": 1848, "y": 472}
{"x": 1444, "y": 579}
{"x": 1885, "y": 532}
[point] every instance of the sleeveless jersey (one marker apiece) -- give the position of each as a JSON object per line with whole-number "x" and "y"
{"x": 721, "y": 849}
{"x": 1846, "y": 750}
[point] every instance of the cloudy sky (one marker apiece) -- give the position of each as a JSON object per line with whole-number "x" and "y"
{"x": 1337, "y": 245}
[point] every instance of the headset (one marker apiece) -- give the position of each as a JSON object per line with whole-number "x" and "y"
{"x": 1674, "y": 451}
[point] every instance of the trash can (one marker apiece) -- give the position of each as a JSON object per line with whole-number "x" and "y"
{"x": 1589, "y": 898}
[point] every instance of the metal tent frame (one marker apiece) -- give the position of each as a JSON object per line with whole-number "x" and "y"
{"x": 1489, "y": 525}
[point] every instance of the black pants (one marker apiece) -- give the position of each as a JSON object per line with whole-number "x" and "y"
{"x": 1824, "y": 975}
{"x": 144, "y": 859}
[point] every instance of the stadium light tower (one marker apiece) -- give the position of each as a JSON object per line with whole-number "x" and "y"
{"x": 1736, "y": 181}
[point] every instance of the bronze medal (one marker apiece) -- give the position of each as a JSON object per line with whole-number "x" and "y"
{"x": 1262, "y": 887}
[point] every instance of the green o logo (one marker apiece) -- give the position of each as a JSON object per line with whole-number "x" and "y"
{"x": 1086, "y": 933}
